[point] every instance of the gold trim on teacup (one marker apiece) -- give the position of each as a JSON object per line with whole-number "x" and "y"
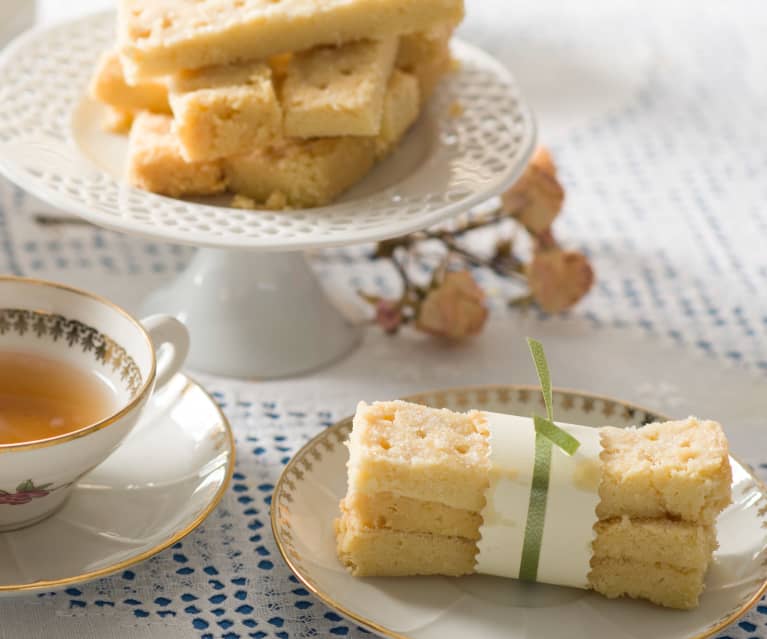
{"x": 139, "y": 396}
{"x": 127, "y": 563}
{"x": 503, "y": 393}
{"x": 74, "y": 333}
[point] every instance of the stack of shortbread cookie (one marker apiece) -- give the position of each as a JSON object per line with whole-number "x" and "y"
{"x": 285, "y": 103}
{"x": 417, "y": 482}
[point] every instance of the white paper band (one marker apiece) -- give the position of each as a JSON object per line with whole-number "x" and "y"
{"x": 570, "y": 511}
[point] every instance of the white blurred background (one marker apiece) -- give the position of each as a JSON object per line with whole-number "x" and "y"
{"x": 50, "y": 10}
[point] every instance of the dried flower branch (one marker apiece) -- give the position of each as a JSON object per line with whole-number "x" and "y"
{"x": 452, "y": 304}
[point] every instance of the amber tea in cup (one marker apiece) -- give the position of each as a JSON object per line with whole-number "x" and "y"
{"x": 43, "y": 397}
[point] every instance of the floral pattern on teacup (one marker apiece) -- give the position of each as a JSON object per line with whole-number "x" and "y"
{"x": 25, "y": 492}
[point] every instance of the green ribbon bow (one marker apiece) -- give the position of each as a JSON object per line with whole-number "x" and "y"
{"x": 547, "y": 434}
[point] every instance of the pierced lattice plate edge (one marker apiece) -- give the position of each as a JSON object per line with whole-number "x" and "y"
{"x": 520, "y": 120}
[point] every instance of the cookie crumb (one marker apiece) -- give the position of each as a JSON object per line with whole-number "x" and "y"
{"x": 244, "y": 202}
{"x": 277, "y": 201}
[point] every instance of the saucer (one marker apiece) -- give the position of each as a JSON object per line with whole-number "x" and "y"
{"x": 306, "y": 503}
{"x": 163, "y": 481}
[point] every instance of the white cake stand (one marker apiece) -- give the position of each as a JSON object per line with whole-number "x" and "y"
{"x": 249, "y": 297}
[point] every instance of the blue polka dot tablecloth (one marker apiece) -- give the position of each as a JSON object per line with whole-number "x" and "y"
{"x": 655, "y": 112}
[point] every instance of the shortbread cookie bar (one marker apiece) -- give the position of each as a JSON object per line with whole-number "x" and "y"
{"x": 426, "y": 55}
{"x": 332, "y": 91}
{"x": 156, "y": 163}
{"x": 659, "y": 560}
{"x": 110, "y": 87}
{"x": 307, "y": 173}
{"x": 164, "y": 36}
{"x": 401, "y": 108}
{"x": 676, "y": 469}
{"x": 680, "y": 544}
{"x": 389, "y": 511}
{"x": 371, "y": 552}
{"x": 677, "y": 544}
{"x": 419, "y": 452}
{"x": 417, "y": 483}
{"x": 679, "y": 469}
{"x": 661, "y": 584}
{"x": 310, "y": 173}
{"x": 225, "y": 111}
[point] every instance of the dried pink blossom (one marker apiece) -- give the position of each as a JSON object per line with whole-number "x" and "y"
{"x": 455, "y": 309}
{"x": 558, "y": 279}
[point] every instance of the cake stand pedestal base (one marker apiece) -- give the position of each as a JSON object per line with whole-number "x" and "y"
{"x": 255, "y": 314}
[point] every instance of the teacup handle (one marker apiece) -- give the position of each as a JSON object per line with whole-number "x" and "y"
{"x": 167, "y": 331}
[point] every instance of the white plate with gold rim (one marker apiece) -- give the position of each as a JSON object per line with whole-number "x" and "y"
{"x": 163, "y": 481}
{"x": 305, "y": 502}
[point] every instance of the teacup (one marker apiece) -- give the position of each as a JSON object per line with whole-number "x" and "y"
{"x": 80, "y": 329}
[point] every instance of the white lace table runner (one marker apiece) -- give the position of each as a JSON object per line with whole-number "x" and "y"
{"x": 655, "y": 113}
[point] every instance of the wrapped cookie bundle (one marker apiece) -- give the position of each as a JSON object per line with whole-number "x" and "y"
{"x": 286, "y": 104}
{"x": 625, "y": 512}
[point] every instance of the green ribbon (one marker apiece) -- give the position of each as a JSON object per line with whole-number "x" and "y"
{"x": 542, "y": 368}
{"x": 557, "y": 436}
{"x": 536, "y": 510}
{"x": 547, "y": 435}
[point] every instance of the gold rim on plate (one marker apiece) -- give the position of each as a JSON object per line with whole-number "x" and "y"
{"x": 175, "y": 538}
{"x": 420, "y": 397}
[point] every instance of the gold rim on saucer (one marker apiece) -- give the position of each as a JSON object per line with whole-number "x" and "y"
{"x": 339, "y": 431}
{"x": 175, "y": 538}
